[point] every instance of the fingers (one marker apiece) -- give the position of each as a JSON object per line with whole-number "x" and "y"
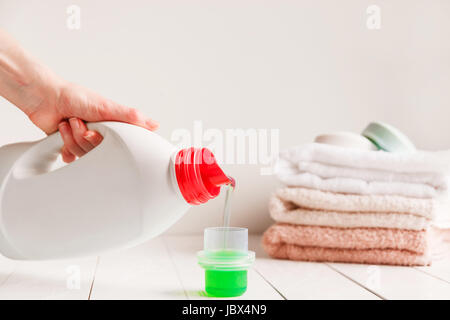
{"x": 78, "y": 131}
{"x": 93, "y": 137}
{"x": 67, "y": 156}
{"x": 79, "y": 102}
{"x": 78, "y": 140}
{"x": 116, "y": 112}
{"x": 69, "y": 141}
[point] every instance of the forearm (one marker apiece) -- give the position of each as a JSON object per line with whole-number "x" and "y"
{"x": 24, "y": 81}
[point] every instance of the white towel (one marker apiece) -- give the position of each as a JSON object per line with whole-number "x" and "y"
{"x": 345, "y": 170}
{"x": 421, "y": 161}
{"x": 435, "y": 180}
{"x": 358, "y": 186}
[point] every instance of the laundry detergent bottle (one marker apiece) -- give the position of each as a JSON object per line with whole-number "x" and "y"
{"x": 130, "y": 188}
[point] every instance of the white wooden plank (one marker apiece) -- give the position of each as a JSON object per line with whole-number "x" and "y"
{"x": 183, "y": 250}
{"x": 143, "y": 272}
{"x": 439, "y": 269}
{"x": 151, "y": 272}
{"x": 395, "y": 282}
{"x": 305, "y": 280}
{"x": 63, "y": 279}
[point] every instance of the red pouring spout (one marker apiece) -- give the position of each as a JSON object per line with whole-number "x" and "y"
{"x": 198, "y": 175}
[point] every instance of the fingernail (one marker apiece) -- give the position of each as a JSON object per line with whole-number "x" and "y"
{"x": 74, "y": 123}
{"x": 62, "y": 125}
{"x": 88, "y": 135}
{"x": 152, "y": 124}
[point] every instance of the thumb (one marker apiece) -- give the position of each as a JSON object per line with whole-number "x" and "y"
{"x": 117, "y": 112}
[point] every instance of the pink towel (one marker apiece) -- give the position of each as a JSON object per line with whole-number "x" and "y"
{"x": 368, "y": 256}
{"x": 377, "y": 246}
{"x": 341, "y": 238}
{"x": 359, "y": 245}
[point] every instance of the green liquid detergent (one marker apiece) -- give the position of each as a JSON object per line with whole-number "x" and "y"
{"x": 226, "y": 282}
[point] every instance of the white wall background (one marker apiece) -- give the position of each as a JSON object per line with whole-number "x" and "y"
{"x": 305, "y": 67}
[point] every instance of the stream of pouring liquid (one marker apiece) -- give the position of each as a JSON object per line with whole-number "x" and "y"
{"x": 227, "y": 206}
{"x": 227, "y": 210}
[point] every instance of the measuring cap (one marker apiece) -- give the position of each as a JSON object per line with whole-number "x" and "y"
{"x": 225, "y": 259}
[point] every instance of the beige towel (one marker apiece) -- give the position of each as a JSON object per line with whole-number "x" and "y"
{"x": 329, "y": 201}
{"x": 287, "y": 212}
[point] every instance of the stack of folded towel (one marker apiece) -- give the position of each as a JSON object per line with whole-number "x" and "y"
{"x": 360, "y": 206}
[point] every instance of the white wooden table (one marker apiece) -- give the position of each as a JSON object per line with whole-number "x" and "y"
{"x": 166, "y": 268}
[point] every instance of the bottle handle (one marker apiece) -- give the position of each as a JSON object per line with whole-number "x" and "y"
{"x": 42, "y": 156}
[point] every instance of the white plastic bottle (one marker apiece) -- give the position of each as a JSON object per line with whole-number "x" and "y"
{"x": 130, "y": 188}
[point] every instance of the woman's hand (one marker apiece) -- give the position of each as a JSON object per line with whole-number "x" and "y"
{"x": 52, "y": 103}
{"x": 71, "y": 103}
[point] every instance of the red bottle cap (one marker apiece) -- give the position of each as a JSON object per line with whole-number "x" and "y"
{"x": 198, "y": 175}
